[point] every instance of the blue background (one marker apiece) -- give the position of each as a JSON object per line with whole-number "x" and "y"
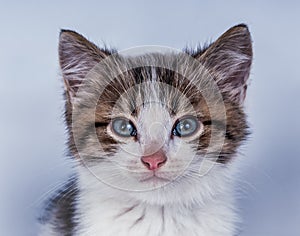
{"x": 32, "y": 133}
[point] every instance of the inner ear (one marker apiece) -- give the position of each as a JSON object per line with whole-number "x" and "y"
{"x": 229, "y": 60}
{"x": 77, "y": 56}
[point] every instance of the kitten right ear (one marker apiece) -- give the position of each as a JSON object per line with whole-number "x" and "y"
{"x": 229, "y": 58}
{"x": 77, "y": 56}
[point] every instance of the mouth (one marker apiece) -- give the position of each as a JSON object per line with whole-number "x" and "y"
{"x": 155, "y": 179}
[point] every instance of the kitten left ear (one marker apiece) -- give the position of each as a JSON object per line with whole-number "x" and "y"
{"x": 229, "y": 59}
{"x": 77, "y": 56}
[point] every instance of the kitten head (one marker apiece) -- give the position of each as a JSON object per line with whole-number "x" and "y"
{"x": 155, "y": 121}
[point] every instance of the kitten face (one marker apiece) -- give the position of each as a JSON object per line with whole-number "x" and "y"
{"x": 154, "y": 155}
{"x": 150, "y": 122}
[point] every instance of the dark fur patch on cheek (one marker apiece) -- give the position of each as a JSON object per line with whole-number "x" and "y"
{"x": 205, "y": 138}
{"x": 108, "y": 144}
{"x": 92, "y": 146}
{"x": 234, "y": 133}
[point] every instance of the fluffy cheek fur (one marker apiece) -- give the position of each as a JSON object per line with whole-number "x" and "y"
{"x": 187, "y": 188}
{"x": 122, "y": 174}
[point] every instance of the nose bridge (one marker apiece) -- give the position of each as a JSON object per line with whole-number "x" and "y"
{"x": 152, "y": 146}
{"x": 157, "y": 132}
{"x": 154, "y": 121}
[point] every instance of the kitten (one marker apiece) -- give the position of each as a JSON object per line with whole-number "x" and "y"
{"x": 154, "y": 137}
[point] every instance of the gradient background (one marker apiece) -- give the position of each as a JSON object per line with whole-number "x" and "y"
{"x": 32, "y": 131}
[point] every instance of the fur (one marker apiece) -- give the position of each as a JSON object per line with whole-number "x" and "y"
{"x": 192, "y": 193}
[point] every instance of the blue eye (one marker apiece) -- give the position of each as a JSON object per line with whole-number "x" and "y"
{"x": 186, "y": 127}
{"x": 123, "y": 127}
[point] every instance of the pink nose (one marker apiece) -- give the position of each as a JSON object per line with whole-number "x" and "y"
{"x": 154, "y": 161}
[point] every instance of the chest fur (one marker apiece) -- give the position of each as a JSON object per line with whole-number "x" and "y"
{"x": 117, "y": 218}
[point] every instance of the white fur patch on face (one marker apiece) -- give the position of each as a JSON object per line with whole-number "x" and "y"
{"x": 154, "y": 125}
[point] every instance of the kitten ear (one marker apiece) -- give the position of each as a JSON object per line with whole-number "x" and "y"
{"x": 229, "y": 60}
{"x": 77, "y": 56}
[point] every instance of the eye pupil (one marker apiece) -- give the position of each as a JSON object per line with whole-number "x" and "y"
{"x": 185, "y": 125}
{"x": 124, "y": 126}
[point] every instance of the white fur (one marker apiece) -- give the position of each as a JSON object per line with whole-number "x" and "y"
{"x": 188, "y": 204}
{"x": 195, "y": 199}
{"x": 203, "y": 211}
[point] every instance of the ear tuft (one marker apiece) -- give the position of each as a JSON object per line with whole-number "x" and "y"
{"x": 77, "y": 56}
{"x": 229, "y": 59}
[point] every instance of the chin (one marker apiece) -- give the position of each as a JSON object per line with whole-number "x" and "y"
{"x": 161, "y": 192}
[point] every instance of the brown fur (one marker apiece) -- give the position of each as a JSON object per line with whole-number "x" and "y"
{"x": 221, "y": 59}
